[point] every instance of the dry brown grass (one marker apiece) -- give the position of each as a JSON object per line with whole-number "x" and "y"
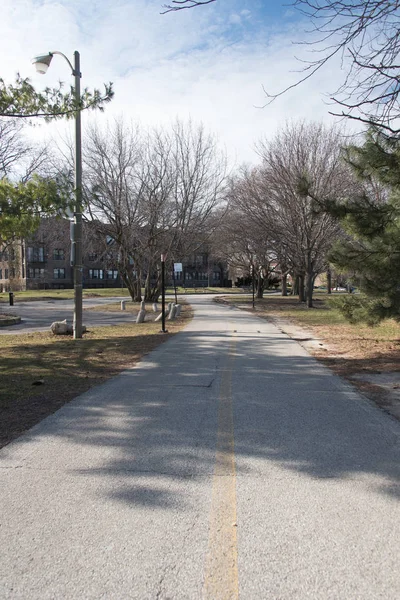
{"x": 40, "y": 372}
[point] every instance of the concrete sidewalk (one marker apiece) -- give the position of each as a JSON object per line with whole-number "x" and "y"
{"x": 228, "y": 463}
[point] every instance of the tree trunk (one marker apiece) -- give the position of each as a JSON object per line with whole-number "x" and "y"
{"x": 154, "y": 295}
{"x": 138, "y": 292}
{"x": 329, "y": 281}
{"x": 147, "y": 288}
{"x": 284, "y": 285}
{"x": 221, "y": 276}
{"x": 133, "y": 288}
{"x": 302, "y": 291}
{"x": 310, "y": 281}
{"x": 260, "y": 286}
{"x": 152, "y": 292}
{"x": 296, "y": 286}
{"x": 132, "y": 284}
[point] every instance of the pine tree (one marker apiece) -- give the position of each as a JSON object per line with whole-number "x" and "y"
{"x": 370, "y": 249}
{"x": 22, "y": 205}
{"x": 21, "y": 100}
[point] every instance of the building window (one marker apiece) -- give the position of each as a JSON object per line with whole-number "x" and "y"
{"x": 96, "y": 273}
{"x": 35, "y": 273}
{"x": 58, "y": 273}
{"x": 111, "y": 274}
{"x": 7, "y": 255}
{"x": 217, "y": 275}
{"x": 35, "y": 254}
{"x": 5, "y": 273}
{"x": 92, "y": 256}
{"x": 188, "y": 276}
{"x": 58, "y": 254}
{"x": 12, "y": 272}
{"x": 1, "y": 273}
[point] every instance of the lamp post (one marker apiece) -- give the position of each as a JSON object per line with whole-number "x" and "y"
{"x": 252, "y": 283}
{"x": 42, "y": 63}
{"x": 163, "y": 293}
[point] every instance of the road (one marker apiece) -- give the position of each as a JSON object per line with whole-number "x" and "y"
{"x": 228, "y": 464}
{"x": 39, "y": 315}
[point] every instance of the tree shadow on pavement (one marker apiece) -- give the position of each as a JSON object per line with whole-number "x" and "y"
{"x": 156, "y": 425}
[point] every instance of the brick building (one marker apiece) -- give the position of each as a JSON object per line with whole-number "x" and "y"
{"x": 43, "y": 262}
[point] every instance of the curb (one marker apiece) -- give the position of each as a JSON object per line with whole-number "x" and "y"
{"x": 10, "y": 321}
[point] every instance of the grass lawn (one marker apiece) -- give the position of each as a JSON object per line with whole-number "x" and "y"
{"x": 40, "y": 372}
{"x": 347, "y": 349}
{"x": 30, "y": 295}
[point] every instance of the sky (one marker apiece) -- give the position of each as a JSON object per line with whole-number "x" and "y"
{"x": 210, "y": 64}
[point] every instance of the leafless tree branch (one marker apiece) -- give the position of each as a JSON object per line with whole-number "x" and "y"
{"x": 182, "y": 4}
{"x": 365, "y": 34}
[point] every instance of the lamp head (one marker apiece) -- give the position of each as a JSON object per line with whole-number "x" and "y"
{"x": 42, "y": 63}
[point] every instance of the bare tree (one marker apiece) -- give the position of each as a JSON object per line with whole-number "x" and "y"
{"x": 193, "y": 175}
{"x": 365, "y": 34}
{"x": 151, "y": 193}
{"x": 302, "y": 153}
{"x": 182, "y": 4}
{"x": 19, "y": 158}
{"x": 245, "y": 240}
{"x": 284, "y": 199}
{"x": 12, "y": 146}
{"x": 111, "y": 158}
{"x": 199, "y": 175}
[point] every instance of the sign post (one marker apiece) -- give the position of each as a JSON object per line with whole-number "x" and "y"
{"x": 177, "y": 269}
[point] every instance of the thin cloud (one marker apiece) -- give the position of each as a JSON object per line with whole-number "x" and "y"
{"x": 194, "y": 64}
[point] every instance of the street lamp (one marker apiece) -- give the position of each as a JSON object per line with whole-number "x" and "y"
{"x": 163, "y": 257}
{"x": 252, "y": 281}
{"x": 42, "y": 63}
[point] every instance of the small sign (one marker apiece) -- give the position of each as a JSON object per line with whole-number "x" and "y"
{"x": 178, "y": 267}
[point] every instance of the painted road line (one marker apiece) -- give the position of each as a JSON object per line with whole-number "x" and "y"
{"x": 221, "y": 572}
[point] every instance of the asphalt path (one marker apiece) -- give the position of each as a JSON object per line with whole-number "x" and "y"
{"x": 39, "y": 315}
{"x": 229, "y": 463}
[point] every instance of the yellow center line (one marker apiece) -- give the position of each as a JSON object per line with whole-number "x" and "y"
{"x": 221, "y": 572}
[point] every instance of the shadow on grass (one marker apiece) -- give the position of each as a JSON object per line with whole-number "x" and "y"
{"x": 37, "y": 379}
